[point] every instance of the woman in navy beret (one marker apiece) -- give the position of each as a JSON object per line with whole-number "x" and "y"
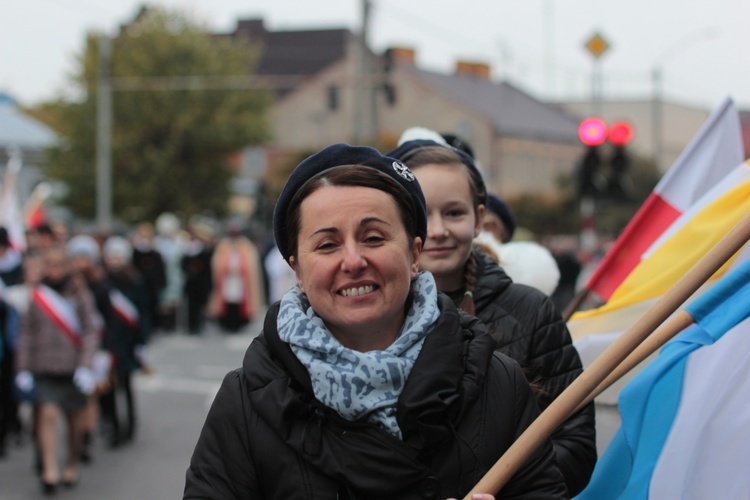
{"x": 365, "y": 382}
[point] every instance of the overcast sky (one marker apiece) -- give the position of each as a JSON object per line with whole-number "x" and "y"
{"x": 701, "y": 47}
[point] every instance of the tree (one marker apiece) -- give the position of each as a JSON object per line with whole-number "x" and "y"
{"x": 170, "y": 148}
{"x": 561, "y": 214}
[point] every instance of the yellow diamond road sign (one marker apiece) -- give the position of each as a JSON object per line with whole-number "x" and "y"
{"x": 597, "y": 45}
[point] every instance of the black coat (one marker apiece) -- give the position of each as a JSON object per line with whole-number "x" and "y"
{"x": 463, "y": 405}
{"x": 125, "y": 337}
{"x": 199, "y": 279}
{"x": 528, "y": 328}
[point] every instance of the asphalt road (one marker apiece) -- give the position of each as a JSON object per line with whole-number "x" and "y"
{"x": 171, "y": 403}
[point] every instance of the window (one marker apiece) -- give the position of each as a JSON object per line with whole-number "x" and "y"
{"x": 333, "y": 97}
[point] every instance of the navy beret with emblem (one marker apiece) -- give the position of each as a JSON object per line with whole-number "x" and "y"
{"x": 408, "y": 149}
{"x": 339, "y": 155}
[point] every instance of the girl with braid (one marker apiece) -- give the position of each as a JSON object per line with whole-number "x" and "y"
{"x": 523, "y": 321}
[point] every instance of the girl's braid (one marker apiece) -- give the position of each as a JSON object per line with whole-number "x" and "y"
{"x": 470, "y": 281}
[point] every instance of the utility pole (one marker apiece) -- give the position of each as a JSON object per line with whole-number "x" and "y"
{"x": 104, "y": 135}
{"x": 597, "y": 45}
{"x": 373, "y": 78}
{"x": 549, "y": 47}
{"x": 365, "y": 128}
{"x": 657, "y": 115}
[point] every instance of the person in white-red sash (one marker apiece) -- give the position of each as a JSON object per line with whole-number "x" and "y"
{"x": 128, "y": 333}
{"x": 56, "y": 345}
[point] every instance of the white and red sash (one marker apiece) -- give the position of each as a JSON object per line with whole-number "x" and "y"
{"x": 124, "y": 308}
{"x": 60, "y": 311}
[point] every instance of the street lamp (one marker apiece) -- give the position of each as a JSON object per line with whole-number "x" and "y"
{"x": 657, "y": 84}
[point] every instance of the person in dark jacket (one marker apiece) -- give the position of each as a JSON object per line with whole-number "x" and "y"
{"x": 11, "y": 273}
{"x": 128, "y": 333}
{"x": 10, "y": 421}
{"x": 11, "y": 260}
{"x": 196, "y": 267}
{"x": 524, "y": 321}
{"x": 365, "y": 382}
{"x": 150, "y": 264}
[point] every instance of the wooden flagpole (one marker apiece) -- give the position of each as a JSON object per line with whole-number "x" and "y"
{"x": 567, "y": 402}
{"x": 575, "y": 303}
{"x": 661, "y": 336}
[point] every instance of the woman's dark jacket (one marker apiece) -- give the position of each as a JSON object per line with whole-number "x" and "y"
{"x": 463, "y": 405}
{"x": 528, "y": 328}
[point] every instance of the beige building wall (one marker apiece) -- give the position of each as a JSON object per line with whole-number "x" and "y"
{"x": 526, "y": 166}
{"x": 302, "y": 121}
{"x": 419, "y": 105}
{"x": 510, "y": 165}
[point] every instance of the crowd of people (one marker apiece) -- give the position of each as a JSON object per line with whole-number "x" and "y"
{"x": 76, "y": 316}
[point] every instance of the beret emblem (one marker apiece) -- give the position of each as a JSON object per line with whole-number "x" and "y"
{"x": 403, "y": 171}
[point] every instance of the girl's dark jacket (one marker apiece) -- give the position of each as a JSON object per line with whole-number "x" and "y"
{"x": 267, "y": 437}
{"x": 528, "y": 328}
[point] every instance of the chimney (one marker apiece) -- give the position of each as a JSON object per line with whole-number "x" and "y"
{"x": 253, "y": 30}
{"x": 401, "y": 55}
{"x": 473, "y": 69}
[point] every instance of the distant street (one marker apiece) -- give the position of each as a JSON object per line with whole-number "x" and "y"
{"x": 172, "y": 406}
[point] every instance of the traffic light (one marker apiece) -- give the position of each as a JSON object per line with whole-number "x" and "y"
{"x": 619, "y": 185}
{"x": 592, "y": 132}
{"x": 592, "y": 182}
{"x": 620, "y": 133}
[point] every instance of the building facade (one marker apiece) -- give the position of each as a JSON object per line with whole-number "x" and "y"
{"x": 522, "y": 144}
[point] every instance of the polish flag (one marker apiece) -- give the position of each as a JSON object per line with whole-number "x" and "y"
{"x": 714, "y": 152}
{"x": 33, "y": 212}
{"x": 671, "y": 256}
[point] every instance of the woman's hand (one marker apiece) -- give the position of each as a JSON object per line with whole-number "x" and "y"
{"x": 480, "y": 496}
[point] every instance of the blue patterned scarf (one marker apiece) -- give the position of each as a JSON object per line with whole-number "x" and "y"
{"x": 354, "y": 383}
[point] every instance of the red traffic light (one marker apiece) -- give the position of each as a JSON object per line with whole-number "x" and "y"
{"x": 620, "y": 133}
{"x": 592, "y": 131}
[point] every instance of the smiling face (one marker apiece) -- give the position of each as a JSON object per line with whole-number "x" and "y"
{"x": 452, "y": 223}
{"x": 355, "y": 263}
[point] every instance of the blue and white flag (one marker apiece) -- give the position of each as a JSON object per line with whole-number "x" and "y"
{"x": 686, "y": 417}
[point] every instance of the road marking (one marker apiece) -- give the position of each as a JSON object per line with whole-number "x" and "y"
{"x": 157, "y": 383}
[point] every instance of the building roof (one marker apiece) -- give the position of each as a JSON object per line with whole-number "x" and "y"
{"x": 20, "y": 130}
{"x": 288, "y": 57}
{"x": 512, "y": 111}
{"x": 298, "y": 52}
